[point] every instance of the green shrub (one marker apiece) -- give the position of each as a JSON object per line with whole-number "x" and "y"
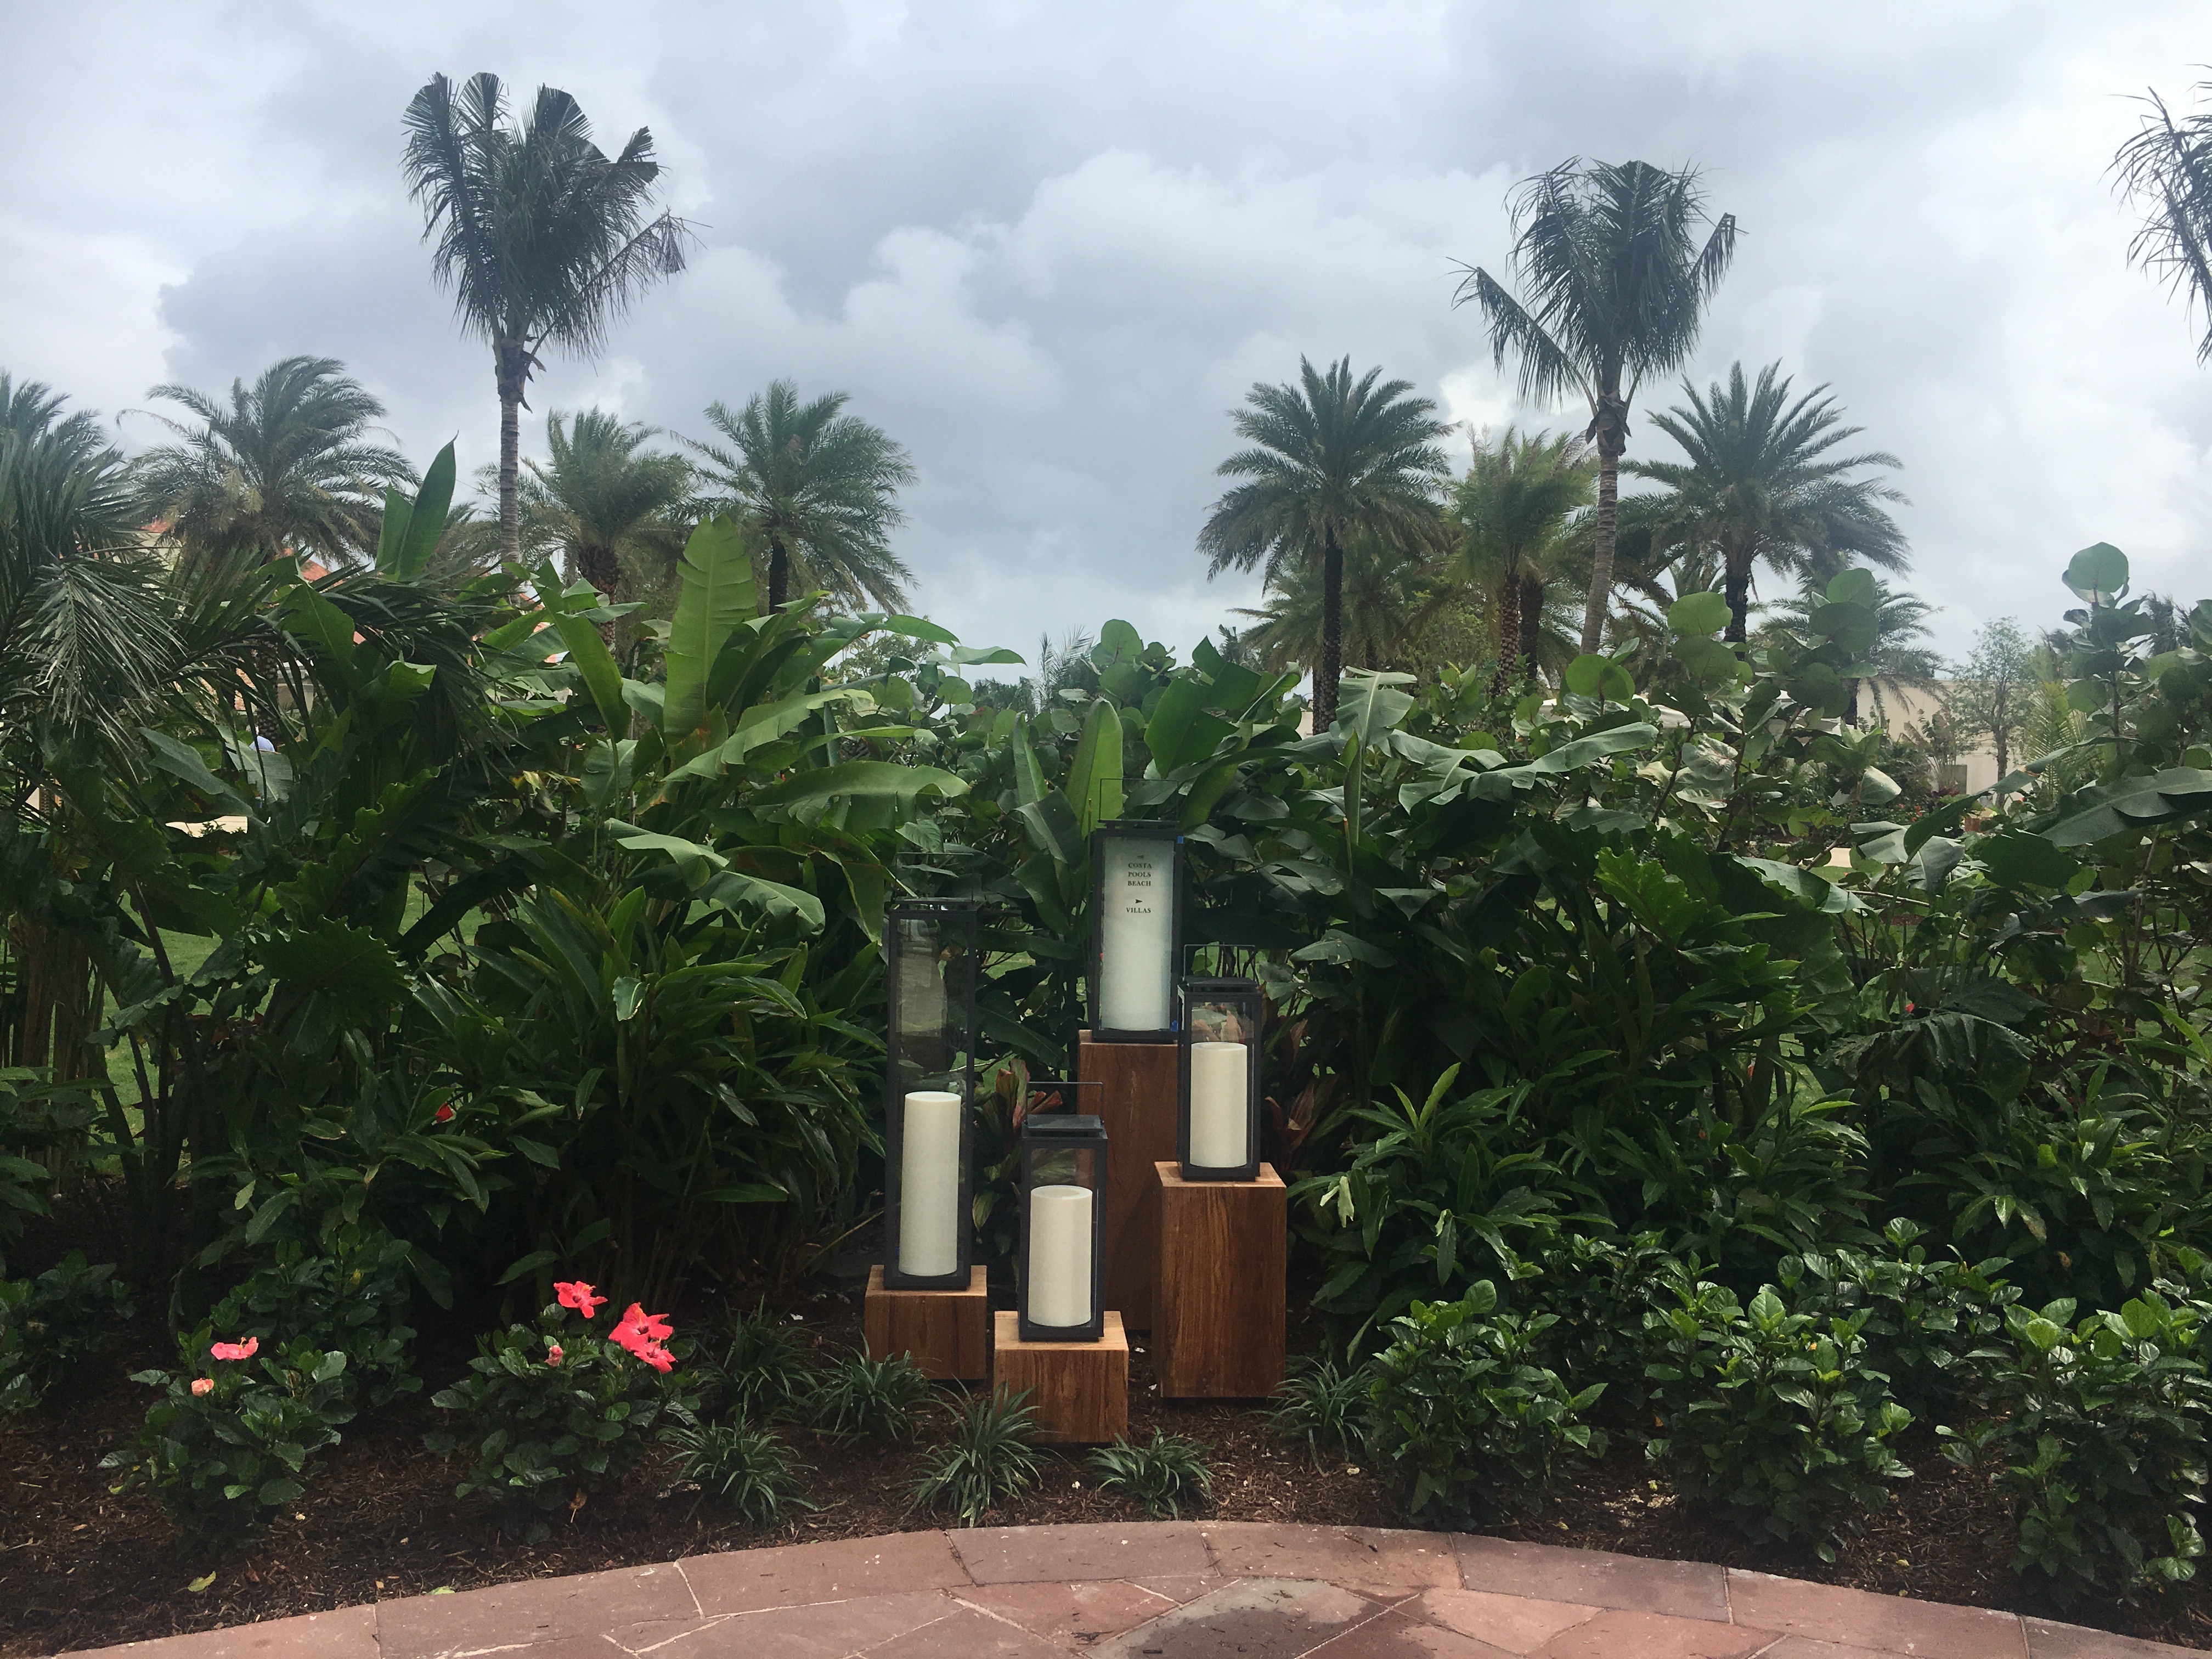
{"x": 53, "y": 1325}
{"x": 877, "y": 1398}
{"x": 1324, "y": 1403}
{"x": 1925, "y": 1318}
{"x": 1162, "y": 1477}
{"x": 750, "y": 1469}
{"x": 551, "y": 1413}
{"x": 1598, "y": 1292}
{"x": 1775, "y": 1416}
{"x": 761, "y": 1375}
{"x": 991, "y": 1457}
{"x": 1462, "y": 1412}
{"x": 352, "y": 1299}
{"x": 2103, "y": 1431}
{"x": 228, "y": 1443}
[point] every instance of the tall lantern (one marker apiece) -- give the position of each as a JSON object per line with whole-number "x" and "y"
{"x": 929, "y": 1081}
{"x": 1136, "y": 932}
{"x": 1218, "y": 1090}
{"x": 1063, "y": 1288}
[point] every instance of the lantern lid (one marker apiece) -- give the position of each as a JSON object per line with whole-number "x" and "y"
{"x": 1205, "y": 987}
{"x": 1063, "y": 1126}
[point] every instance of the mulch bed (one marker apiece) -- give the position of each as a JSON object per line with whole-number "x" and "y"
{"x": 80, "y": 1567}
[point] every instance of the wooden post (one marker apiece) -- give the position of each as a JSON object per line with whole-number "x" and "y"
{"x": 947, "y": 1333}
{"x": 1138, "y": 1105}
{"x": 1217, "y": 1333}
{"x": 1080, "y": 1390}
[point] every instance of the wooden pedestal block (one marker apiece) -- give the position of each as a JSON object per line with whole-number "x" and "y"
{"x": 1138, "y": 1107}
{"x": 1218, "y": 1328}
{"x": 1080, "y": 1390}
{"x": 947, "y": 1333}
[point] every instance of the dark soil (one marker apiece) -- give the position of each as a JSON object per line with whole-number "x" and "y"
{"x": 80, "y": 1567}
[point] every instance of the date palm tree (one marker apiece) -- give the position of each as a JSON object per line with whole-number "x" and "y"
{"x": 285, "y": 465}
{"x": 1331, "y": 460}
{"x": 543, "y": 239}
{"x": 1513, "y": 501}
{"x": 602, "y": 494}
{"x": 1762, "y": 483}
{"x": 1389, "y": 594}
{"x": 2167, "y": 167}
{"x": 1616, "y": 285}
{"x": 821, "y": 487}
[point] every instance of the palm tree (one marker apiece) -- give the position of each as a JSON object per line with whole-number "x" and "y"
{"x": 1617, "y": 289}
{"x": 2168, "y": 165}
{"x": 1513, "y": 501}
{"x": 1389, "y": 594}
{"x": 283, "y": 465}
{"x": 1896, "y": 660}
{"x": 1331, "y": 461}
{"x": 602, "y": 494}
{"x": 543, "y": 239}
{"x": 821, "y": 487}
{"x": 1761, "y": 483}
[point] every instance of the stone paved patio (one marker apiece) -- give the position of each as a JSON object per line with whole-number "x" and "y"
{"x": 1166, "y": 1590}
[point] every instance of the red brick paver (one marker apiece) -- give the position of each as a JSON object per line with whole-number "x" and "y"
{"x": 1167, "y": 1590}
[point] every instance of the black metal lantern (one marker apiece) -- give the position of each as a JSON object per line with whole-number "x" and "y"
{"x": 1063, "y": 1264}
{"x": 1136, "y": 930}
{"x": 929, "y": 1082}
{"x": 1217, "y": 1086}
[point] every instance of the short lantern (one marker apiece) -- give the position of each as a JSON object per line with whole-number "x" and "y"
{"x": 929, "y": 1080}
{"x": 1218, "y": 1116}
{"x": 1136, "y": 935}
{"x": 1063, "y": 1225}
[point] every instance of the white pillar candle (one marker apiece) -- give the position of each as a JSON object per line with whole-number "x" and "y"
{"x": 1060, "y": 1255}
{"x": 1220, "y": 1106}
{"x": 929, "y": 1184}
{"x": 1136, "y": 942}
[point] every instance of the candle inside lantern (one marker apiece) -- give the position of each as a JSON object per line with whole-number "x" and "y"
{"x": 1136, "y": 944}
{"x": 1060, "y": 1255}
{"x": 1220, "y": 1106}
{"x": 921, "y": 1006}
{"x": 929, "y": 1184}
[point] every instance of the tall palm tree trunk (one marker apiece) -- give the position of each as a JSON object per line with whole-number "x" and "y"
{"x": 1508, "y": 630}
{"x": 1330, "y": 669}
{"x": 510, "y": 366}
{"x": 1608, "y": 428}
{"x": 779, "y": 575}
{"x": 1532, "y": 622}
{"x": 1737, "y": 585}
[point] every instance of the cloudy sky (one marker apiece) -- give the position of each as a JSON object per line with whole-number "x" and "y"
{"x": 1048, "y": 246}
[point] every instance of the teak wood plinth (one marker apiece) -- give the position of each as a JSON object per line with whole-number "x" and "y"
{"x": 1217, "y": 1328}
{"x": 947, "y": 1333}
{"x": 1138, "y": 1106}
{"x": 1080, "y": 1390}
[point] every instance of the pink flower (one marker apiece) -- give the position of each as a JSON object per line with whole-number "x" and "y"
{"x": 636, "y": 1320}
{"x": 655, "y": 1356}
{"x": 577, "y": 1295}
{"x": 552, "y": 1353}
{"x": 245, "y": 1350}
{"x": 203, "y": 1385}
{"x": 444, "y": 1114}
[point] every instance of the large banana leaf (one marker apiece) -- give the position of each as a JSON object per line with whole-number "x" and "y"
{"x": 717, "y": 596}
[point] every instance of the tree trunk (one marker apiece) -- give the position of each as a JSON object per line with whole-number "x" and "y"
{"x": 1330, "y": 668}
{"x": 511, "y": 367}
{"x": 1509, "y": 631}
{"x": 602, "y": 567}
{"x": 2000, "y": 729}
{"x": 1608, "y": 428}
{"x": 1851, "y": 709}
{"x": 1737, "y": 581}
{"x": 779, "y": 575}
{"x": 1532, "y": 624}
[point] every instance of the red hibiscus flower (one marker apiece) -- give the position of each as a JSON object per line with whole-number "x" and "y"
{"x": 635, "y": 1319}
{"x": 577, "y": 1295}
{"x": 444, "y": 1114}
{"x": 245, "y": 1350}
{"x": 552, "y": 1353}
{"x": 203, "y": 1385}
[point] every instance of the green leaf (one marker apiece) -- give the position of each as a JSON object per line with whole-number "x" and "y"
{"x": 1094, "y": 776}
{"x": 405, "y": 555}
{"x": 1810, "y": 890}
{"x": 717, "y": 595}
{"x": 349, "y": 962}
{"x": 883, "y": 780}
{"x": 1853, "y": 587}
{"x": 747, "y": 896}
{"x": 602, "y": 679}
{"x": 2020, "y": 860}
{"x": 1181, "y": 730}
{"x": 1592, "y": 676}
{"x": 181, "y": 761}
{"x": 2099, "y": 573}
{"x": 1369, "y": 704}
{"x": 308, "y": 616}
{"x": 1705, "y": 658}
{"x": 1696, "y": 614}
{"x": 1851, "y": 626}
